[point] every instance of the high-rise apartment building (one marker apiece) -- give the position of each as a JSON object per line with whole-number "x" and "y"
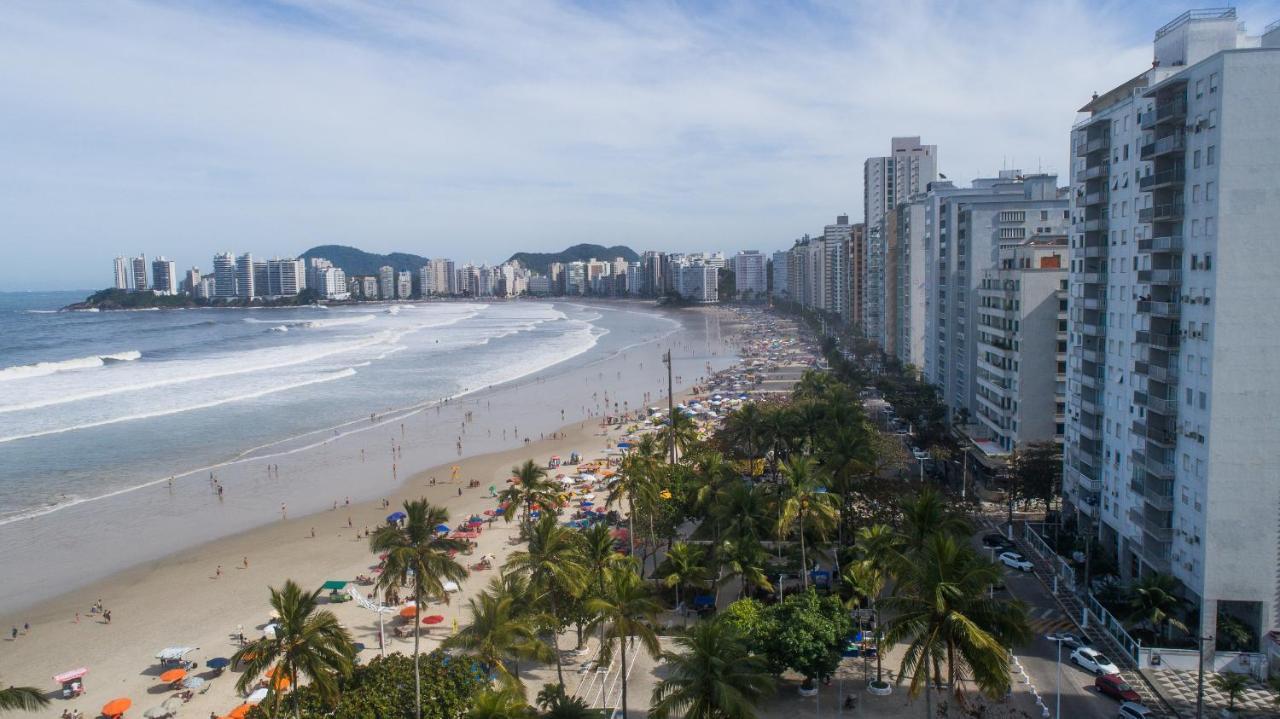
{"x": 907, "y": 321}
{"x": 1172, "y": 392}
{"x": 966, "y": 227}
{"x": 906, "y": 170}
{"x": 138, "y": 269}
{"x": 780, "y": 288}
{"x": 164, "y": 276}
{"x": 121, "y": 279}
{"x": 749, "y": 274}
{"x": 697, "y": 282}
{"x": 191, "y": 283}
{"x": 1022, "y": 343}
{"x": 246, "y": 278}
{"x": 404, "y": 285}
{"x": 387, "y": 282}
{"x": 284, "y": 277}
{"x": 836, "y": 280}
{"x": 224, "y": 276}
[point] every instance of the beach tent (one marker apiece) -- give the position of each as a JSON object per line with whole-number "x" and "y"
{"x": 334, "y": 585}
{"x": 451, "y": 586}
{"x": 173, "y": 654}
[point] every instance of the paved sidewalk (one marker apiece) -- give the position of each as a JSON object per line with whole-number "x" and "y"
{"x": 1179, "y": 689}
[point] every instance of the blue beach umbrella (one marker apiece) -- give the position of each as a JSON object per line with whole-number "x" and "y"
{"x": 218, "y": 663}
{"x": 396, "y": 516}
{"x": 442, "y": 528}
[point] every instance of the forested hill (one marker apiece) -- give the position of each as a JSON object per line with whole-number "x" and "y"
{"x": 358, "y": 262}
{"x": 539, "y": 261}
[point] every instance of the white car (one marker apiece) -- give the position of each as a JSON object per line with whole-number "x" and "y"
{"x": 919, "y": 454}
{"x": 1015, "y": 560}
{"x": 1092, "y": 660}
{"x": 1133, "y": 710}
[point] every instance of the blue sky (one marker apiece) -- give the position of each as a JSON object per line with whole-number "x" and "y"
{"x": 476, "y": 129}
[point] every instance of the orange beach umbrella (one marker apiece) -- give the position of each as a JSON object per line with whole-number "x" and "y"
{"x": 173, "y": 675}
{"x": 433, "y": 619}
{"x": 240, "y": 711}
{"x": 116, "y": 707}
{"x": 409, "y": 612}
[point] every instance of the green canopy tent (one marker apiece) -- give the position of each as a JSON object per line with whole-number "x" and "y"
{"x": 335, "y": 587}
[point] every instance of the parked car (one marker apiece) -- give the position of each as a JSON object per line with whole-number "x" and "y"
{"x": 919, "y": 454}
{"x": 1069, "y": 641}
{"x": 1016, "y": 561}
{"x": 997, "y": 541}
{"x": 1114, "y": 686}
{"x": 1092, "y": 660}
{"x": 1131, "y": 710}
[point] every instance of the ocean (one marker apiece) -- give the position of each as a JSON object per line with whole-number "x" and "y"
{"x": 112, "y": 424}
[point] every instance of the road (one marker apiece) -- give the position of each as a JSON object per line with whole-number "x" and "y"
{"x": 1039, "y": 658}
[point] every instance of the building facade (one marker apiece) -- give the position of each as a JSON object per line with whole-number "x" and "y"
{"x": 749, "y": 274}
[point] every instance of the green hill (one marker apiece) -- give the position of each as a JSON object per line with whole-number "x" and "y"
{"x": 539, "y": 261}
{"x": 358, "y": 262}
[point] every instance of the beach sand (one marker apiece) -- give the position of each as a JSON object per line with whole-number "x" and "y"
{"x": 181, "y": 599}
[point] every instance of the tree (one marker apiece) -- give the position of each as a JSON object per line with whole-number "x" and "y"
{"x": 635, "y": 482}
{"x": 27, "y": 699}
{"x": 746, "y": 560}
{"x": 868, "y": 574}
{"x": 678, "y": 430}
{"x": 715, "y": 676}
{"x": 806, "y": 633}
{"x": 417, "y": 555}
{"x": 500, "y": 704}
{"x": 804, "y": 501}
{"x": 927, "y": 514}
{"x": 530, "y": 488}
{"x": 685, "y": 565}
{"x": 626, "y": 610}
{"x": 1233, "y": 685}
{"x": 556, "y": 703}
{"x": 1035, "y": 472}
{"x": 497, "y": 633}
{"x": 1154, "y": 601}
{"x": 743, "y": 432}
{"x": 551, "y": 567}
{"x": 307, "y": 642}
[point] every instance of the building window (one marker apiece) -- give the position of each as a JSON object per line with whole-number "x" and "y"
{"x": 1208, "y": 192}
{"x": 1195, "y": 193}
{"x": 1195, "y": 159}
{"x": 1210, "y": 154}
{"x": 1213, "y": 118}
{"x": 1199, "y": 88}
{"x": 1213, "y": 82}
{"x": 1208, "y": 260}
{"x": 1209, "y": 226}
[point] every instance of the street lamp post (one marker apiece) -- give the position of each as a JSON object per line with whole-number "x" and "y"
{"x": 1200, "y": 675}
{"x": 1057, "y": 688}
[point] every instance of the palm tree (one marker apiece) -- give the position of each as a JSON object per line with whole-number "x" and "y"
{"x": 714, "y": 677}
{"x": 942, "y": 613}
{"x": 497, "y": 632}
{"x": 803, "y": 501}
{"x": 27, "y": 699}
{"x": 679, "y": 431}
{"x": 738, "y": 511}
{"x": 1153, "y": 600}
{"x": 744, "y": 559}
{"x": 685, "y": 565}
{"x": 744, "y": 431}
{"x": 635, "y": 482}
{"x": 308, "y": 642}
{"x": 530, "y": 488}
{"x": 551, "y": 567}
{"x": 1233, "y": 685}
{"x": 556, "y": 703}
{"x": 626, "y": 610}
{"x": 419, "y": 556}
{"x": 927, "y": 514}
{"x": 869, "y": 573}
{"x": 499, "y": 704}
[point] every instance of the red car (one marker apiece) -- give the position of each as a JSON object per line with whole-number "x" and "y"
{"x": 1114, "y": 686}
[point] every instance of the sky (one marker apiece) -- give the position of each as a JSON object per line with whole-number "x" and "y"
{"x": 472, "y": 130}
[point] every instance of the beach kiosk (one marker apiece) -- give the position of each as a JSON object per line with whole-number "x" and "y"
{"x": 334, "y": 587}
{"x": 72, "y": 682}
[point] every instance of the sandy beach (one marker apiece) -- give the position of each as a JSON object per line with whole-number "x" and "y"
{"x": 204, "y": 595}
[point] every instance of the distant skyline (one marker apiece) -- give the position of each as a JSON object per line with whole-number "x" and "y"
{"x": 476, "y": 130}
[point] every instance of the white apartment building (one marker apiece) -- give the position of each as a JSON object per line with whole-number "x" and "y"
{"x": 749, "y": 274}
{"x": 164, "y": 276}
{"x": 331, "y": 283}
{"x": 911, "y": 292}
{"x": 698, "y": 283}
{"x": 192, "y": 281}
{"x": 224, "y": 275}
{"x": 1022, "y": 343}
{"x": 780, "y": 287}
{"x": 138, "y": 267}
{"x": 966, "y": 227}
{"x": 404, "y": 284}
{"x": 246, "y": 279}
{"x": 1172, "y": 386}
{"x": 835, "y": 280}
{"x": 121, "y": 279}
{"x": 906, "y": 170}
{"x": 285, "y": 277}
{"x": 387, "y": 282}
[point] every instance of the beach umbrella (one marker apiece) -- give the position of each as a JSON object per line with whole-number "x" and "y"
{"x": 218, "y": 663}
{"x": 476, "y": 523}
{"x": 240, "y": 711}
{"x": 156, "y": 712}
{"x": 490, "y": 513}
{"x": 500, "y": 510}
{"x": 192, "y": 683}
{"x": 359, "y": 646}
{"x": 173, "y": 675}
{"x": 442, "y": 528}
{"x": 258, "y": 695}
{"x": 585, "y": 503}
{"x": 173, "y": 704}
{"x": 116, "y": 707}
{"x": 433, "y": 619}
{"x": 396, "y": 516}
{"x": 282, "y": 683}
{"x": 409, "y": 612}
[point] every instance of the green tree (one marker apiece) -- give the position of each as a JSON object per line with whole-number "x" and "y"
{"x": 636, "y": 483}
{"x": 804, "y": 503}
{"x": 531, "y": 487}
{"x": 308, "y": 642}
{"x": 927, "y": 514}
{"x": 27, "y": 699}
{"x": 806, "y": 633}
{"x": 418, "y": 556}
{"x": 1154, "y": 601}
{"x": 500, "y": 704}
{"x": 1035, "y": 473}
{"x": 626, "y": 609}
{"x": 498, "y": 632}
{"x": 714, "y": 676}
{"x": 744, "y": 560}
{"x": 1233, "y": 685}
{"x": 743, "y": 432}
{"x": 679, "y": 430}
{"x": 551, "y": 567}
{"x": 556, "y": 703}
{"x": 684, "y": 566}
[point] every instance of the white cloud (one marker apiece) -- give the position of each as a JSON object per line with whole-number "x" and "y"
{"x": 478, "y": 129}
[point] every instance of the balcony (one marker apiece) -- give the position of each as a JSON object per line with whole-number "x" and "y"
{"x": 1166, "y": 310}
{"x": 1161, "y": 340}
{"x": 1169, "y": 111}
{"x": 1157, "y": 527}
{"x": 1089, "y": 355}
{"x": 1093, "y": 172}
{"x": 1163, "y": 374}
{"x": 1091, "y": 251}
{"x": 1165, "y": 178}
{"x": 1167, "y": 407}
{"x": 1095, "y": 198}
{"x": 1097, "y": 144}
{"x": 1092, "y": 430}
{"x": 1165, "y": 276}
{"x": 1095, "y": 225}
{"x": 1164, "y": 212}
{"x": 1169, "y": 243}
{"x": 1092, "y": 303}
{"x": 1174, "y": 143}
{"x": 1154, "y": 466}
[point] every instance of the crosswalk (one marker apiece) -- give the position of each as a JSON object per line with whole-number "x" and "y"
{"x": 1047, "y": 620}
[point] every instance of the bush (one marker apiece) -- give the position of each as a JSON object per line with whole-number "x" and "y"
{"x": 384, "y": 689}
{"x": 804, "y": 633}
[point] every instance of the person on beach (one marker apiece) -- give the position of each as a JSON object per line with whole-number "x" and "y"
{"x": 15, "y": 633}
{"x": 246, "y": 562}
{"x": 284, "y": 512}
{"x": 313, "y": 532}
{"x": 107, "y": 615}
{"x": 217, "y": 573}
{"x": 77, "y": 617}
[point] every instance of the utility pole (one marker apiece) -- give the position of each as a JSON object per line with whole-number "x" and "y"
{"x": 1200, "y": 675}
{"x": 671, "y": 405}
